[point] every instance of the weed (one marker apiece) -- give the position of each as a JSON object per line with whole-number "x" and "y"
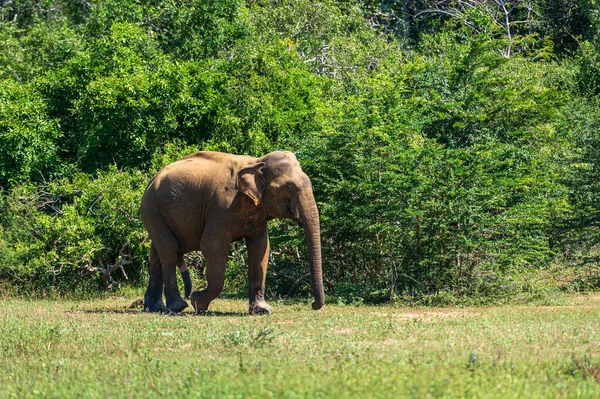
{"x": 255, "y": 338}
{"x": 584, "y": 367}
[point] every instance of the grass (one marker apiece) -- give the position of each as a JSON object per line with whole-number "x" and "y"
{"x": 102, "y": 349}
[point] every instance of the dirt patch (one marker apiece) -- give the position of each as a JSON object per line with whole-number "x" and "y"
{"x": 137, "y": 304}
{"x": 577, "y": 302}
{"x": 285, "y": 322}
{"x": 435, "y": 316}
{"x": 429, "y": 316}
{"x": 555, "y": 307}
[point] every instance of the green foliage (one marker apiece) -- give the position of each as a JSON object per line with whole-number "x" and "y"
{"x": 588, "y": 62}
{"x": 28, "y": 137}
{"x": 443, "y": 177}
{"x": 568, "y": 28}
{"x": 580, "y": 233}
{"x": 452, "y": 157}
{"x": 56, "y": 233}
{"x": 28, "y": 13}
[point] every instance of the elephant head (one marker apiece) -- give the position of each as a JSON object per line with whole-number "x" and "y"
{"x": 277, "y": 184}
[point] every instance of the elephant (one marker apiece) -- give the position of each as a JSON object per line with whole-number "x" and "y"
{"x": 207, "y": 200}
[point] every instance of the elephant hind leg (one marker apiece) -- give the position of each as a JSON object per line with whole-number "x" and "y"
{"x": 175, "y": 302}
{"x": 153, "y": 298}
{"x": 185, "y": 274}
{"x": 167, "y": 247}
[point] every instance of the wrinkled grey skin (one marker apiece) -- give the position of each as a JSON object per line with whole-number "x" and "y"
{"x": 206, "y": 201}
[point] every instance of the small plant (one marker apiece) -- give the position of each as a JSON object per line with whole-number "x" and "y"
{"x": 582, "y": 367}
{"x": 255, "y": 338}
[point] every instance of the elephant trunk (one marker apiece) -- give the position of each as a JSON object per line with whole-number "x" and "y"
{"x": 309, "y": 217}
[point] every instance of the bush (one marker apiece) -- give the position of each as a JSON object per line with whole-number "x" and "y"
{"x": 61, "y": 231}
{"x": 445, "y": 166}
{"x": 28, "y": 136}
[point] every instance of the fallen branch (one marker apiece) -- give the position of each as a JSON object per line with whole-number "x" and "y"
{"x": 106, "y": 270}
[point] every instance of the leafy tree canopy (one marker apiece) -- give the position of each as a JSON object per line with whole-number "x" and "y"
{"x": 453, "y": 146}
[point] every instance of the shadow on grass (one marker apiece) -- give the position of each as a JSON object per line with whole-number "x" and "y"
{"x": 211, "y": 313}
{"x": 139, "y": 311}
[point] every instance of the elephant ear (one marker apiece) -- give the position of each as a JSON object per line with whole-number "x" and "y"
{"x": 250, "y": 181}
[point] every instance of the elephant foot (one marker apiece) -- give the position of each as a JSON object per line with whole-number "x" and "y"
{"x": 199, "y": 303}
{"x": 177, "y": 305}
{"x": 153, "y": 301}
{"x": 259, "y": 307}
{"x": 155, "y": 307}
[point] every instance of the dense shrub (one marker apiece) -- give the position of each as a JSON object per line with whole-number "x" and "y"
{"x": 28, "y": 136}
{"x": 451, "y": 157}
{"x": 56, "y": 233}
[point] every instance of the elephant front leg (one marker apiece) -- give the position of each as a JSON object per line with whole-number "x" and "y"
{"x": 216, "y": 262}
{"x": 258, "y": 260}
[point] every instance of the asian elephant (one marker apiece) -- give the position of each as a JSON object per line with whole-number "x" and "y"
{"x": 207, "y": 200}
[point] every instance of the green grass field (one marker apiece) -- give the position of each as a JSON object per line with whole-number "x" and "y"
{"x": 102, "y": 349}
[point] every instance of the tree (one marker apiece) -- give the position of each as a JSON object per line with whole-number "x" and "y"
{"x": 28, "y": 135}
